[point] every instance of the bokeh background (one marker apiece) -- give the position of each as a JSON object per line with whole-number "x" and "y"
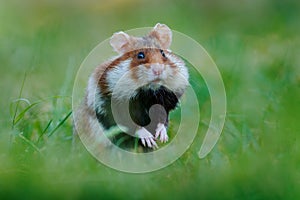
{"x": 254, "y": 43}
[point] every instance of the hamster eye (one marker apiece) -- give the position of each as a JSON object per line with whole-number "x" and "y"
{"x": 162, "y": 53}
{"x": 141, "y": 55}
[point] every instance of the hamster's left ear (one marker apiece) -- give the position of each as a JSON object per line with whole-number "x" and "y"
{"x": 121, "y": 42}
{"x": 163, "y": 34}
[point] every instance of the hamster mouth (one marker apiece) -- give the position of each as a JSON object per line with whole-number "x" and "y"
{"x": 157, "y": 80}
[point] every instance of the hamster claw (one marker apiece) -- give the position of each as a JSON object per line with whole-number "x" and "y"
{"x": 161, "y": 132}
{"x": 146, "y": 137}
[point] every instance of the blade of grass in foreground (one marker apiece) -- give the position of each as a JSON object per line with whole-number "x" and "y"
{"x": 21, "y": 115}
{"x": 45, "y": 129}
{"x": 30, "y": 143}
{"x": 18, "y": 102}
{"x": 60, "y": 123}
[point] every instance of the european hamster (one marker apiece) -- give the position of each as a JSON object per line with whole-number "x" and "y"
{"x": 146, "y": 75}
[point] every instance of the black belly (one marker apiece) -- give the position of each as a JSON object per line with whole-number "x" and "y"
{"x": 146, "y": 109}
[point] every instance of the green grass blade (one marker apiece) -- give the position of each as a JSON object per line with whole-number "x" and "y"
{"x": 122, "y": 139}
{"x": 47, "y": 127}
{"x": 18, "y": 102}
{"x": 21, "y": 115}
{"x": 60, "y": 123}
{"x": 30, "y": 143}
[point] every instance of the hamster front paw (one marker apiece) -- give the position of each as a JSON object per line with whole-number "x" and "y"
{"x": 162, "y": 132}
{"x": 146, "y": 138}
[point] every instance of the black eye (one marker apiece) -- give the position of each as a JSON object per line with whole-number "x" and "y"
{"x": 162, "y": 53}
{"x": 141, "y": 55}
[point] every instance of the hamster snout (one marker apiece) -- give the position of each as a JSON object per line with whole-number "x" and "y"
{"x": 157, "y": 69}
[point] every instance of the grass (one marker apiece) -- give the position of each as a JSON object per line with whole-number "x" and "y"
{"x": 256, "y": 47}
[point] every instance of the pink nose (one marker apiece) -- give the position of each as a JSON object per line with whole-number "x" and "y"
{"x": 157, "y": 70}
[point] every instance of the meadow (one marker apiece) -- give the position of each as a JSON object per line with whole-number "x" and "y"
{"x": 255, "y": 45}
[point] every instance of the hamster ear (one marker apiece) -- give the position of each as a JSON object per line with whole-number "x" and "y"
{"x": 120, "y": 42}
{"x": 163, "y": 34}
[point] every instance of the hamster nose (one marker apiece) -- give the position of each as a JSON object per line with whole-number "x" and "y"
{"x": 157, "y": 69}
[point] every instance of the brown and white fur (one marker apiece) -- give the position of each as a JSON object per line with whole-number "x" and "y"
{"x": 145, "y": 73}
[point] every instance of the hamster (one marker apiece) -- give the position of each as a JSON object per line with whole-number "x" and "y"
{"x": 146, "y": 75}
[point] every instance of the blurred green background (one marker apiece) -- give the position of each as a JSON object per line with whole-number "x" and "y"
{"x": 254, "y": 43}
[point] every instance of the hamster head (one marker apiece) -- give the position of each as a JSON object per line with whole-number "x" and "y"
{"x": 146, "y": 62}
